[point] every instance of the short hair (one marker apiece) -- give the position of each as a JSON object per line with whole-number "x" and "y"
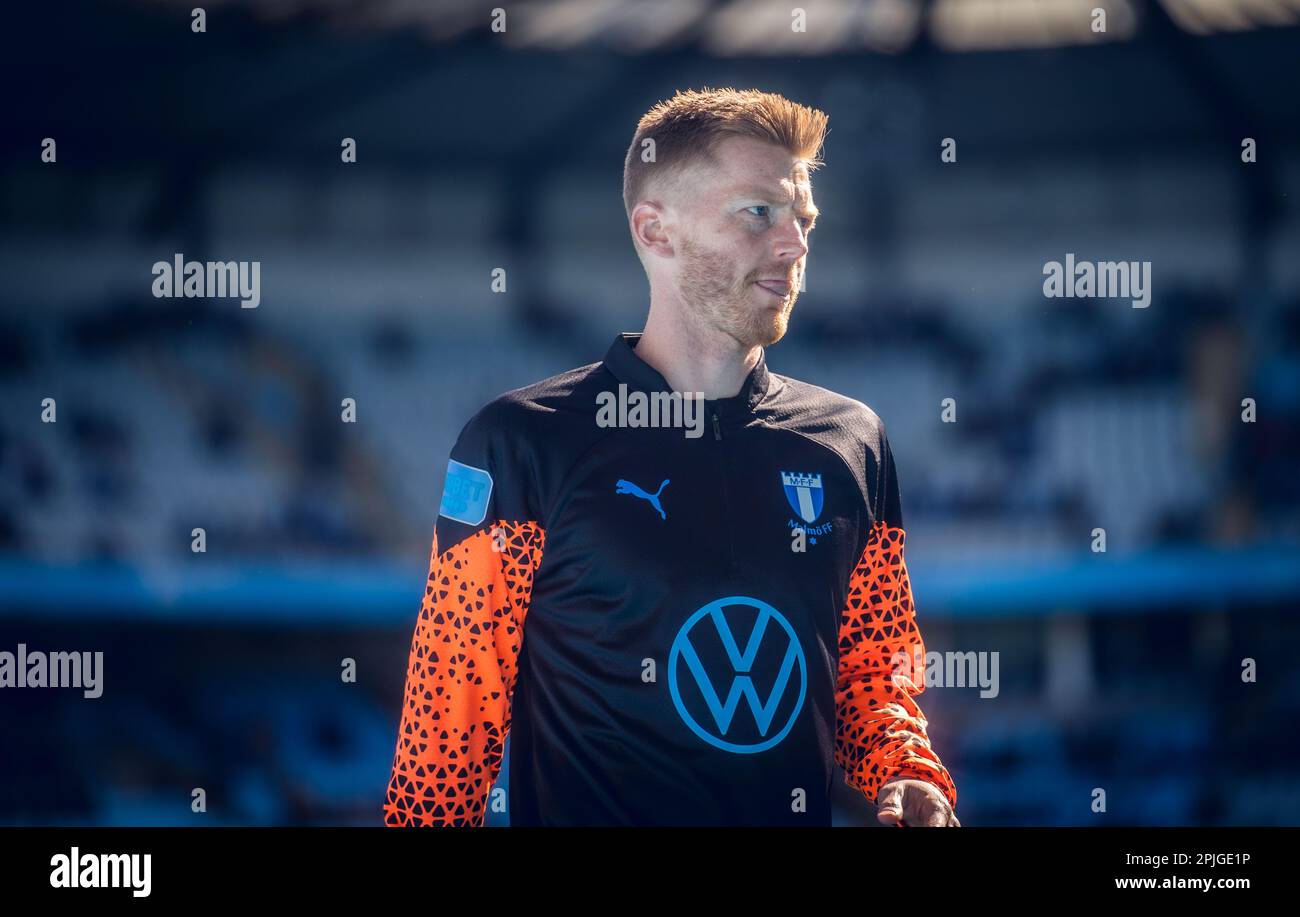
{"x": 687, "y": 129}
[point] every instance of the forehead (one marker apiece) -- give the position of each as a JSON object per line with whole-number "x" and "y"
{"x": 747, "y": 165}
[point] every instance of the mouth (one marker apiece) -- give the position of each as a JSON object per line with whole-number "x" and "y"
{"x": 778, "y": 288}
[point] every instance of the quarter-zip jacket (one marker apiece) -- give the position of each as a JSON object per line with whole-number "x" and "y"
{"x": 673, "y": 628}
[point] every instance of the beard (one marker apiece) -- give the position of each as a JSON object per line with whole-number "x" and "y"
{"x": 719, "y": 300}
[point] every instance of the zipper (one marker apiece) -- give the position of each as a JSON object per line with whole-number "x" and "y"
{"x": 726, "y": 497}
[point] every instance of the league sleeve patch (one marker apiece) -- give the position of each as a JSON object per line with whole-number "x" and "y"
{"x": 465, "y": 493}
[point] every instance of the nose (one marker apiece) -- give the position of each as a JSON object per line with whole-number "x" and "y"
{"x": 791, "y": 242}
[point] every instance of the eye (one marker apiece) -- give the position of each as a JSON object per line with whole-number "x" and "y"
{"x": 806, "y": 222}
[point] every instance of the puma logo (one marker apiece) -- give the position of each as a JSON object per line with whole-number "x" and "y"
{"x": 627, "y": 487}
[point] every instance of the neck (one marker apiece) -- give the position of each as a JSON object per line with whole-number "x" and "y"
{"x": 695, "y": 359}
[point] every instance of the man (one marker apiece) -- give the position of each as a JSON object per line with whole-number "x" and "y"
{"x": 677, "y": 622}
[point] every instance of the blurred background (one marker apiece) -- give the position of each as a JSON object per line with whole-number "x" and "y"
{"x": 479, "y": 149}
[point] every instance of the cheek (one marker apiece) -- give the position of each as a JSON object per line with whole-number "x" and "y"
{"x": 749, "y": 256}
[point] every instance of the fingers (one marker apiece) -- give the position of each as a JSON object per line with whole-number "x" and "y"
{"x": 942, "y": 816}
{"x": 906, "y": 804}
{"x": 889, "y": 817}
{"x": 889, "y": 805}
{"x": 933, "y": 811}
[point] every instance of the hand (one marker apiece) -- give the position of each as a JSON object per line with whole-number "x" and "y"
{"x": 904, "y": 802}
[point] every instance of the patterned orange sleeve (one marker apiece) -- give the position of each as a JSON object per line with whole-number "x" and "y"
{"x": 880, "y": 730}
{"x": 461, "y": 676}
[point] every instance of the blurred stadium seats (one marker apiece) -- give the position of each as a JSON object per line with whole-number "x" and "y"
{"x": 1119, "y": 671}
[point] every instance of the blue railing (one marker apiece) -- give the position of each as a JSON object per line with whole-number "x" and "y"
{"x": 368, "y": 594}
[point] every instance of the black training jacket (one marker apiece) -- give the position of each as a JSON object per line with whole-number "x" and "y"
{"x": 675, "y": 624}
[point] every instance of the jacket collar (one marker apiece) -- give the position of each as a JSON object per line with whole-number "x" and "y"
{"x": 622, "y": 361}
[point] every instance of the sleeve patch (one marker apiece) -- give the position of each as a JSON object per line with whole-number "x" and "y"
{"x": 465, "y": 493}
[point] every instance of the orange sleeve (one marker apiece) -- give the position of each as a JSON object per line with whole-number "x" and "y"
{"x": 461, "y": 675}
{"x": 880, "y": 731}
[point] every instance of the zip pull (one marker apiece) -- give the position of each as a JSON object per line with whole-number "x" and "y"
{"x": 717, "y": 431}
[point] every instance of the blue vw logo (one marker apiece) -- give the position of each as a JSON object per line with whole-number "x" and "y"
{"x": 774, "y": 657}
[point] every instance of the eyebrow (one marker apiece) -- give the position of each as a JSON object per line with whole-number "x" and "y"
{"x": 766, "y": 195}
